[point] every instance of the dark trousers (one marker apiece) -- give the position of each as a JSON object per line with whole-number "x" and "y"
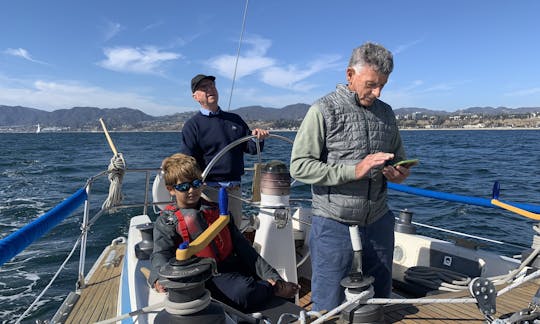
{"x": 243, "y": 292}
{"x": 238, "y": 285}
{"x": 331, "y": 258}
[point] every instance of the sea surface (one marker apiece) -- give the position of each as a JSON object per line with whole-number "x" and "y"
{"x": 38, "y": 171}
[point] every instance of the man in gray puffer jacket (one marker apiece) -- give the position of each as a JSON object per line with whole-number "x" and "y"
{"x": 344, "y": 149}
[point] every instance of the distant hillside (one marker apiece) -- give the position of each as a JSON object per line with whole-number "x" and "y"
{"x": 471, "y": 110}
{"x": 291, "y": 112}
{"x": 12, "y": 116}
{"x": 87, "y": 118}
{"x": 498, "y": 111}
{"x": 412, "y": 110}
{"x": 74, "y": 118}
{"x": 16, "y": 118}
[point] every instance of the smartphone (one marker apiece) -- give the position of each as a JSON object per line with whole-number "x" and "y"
{"x": 407, "y": 163}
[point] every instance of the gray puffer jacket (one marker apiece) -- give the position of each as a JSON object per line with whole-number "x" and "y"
{"x": 352, "y": 132}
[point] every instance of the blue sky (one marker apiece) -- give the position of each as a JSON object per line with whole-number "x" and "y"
{"x": 448, "y": 55}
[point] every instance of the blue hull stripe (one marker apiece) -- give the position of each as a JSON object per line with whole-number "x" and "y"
{"x": 126, "y": 304}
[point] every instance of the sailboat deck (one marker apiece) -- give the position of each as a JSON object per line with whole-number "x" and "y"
{"x": 98, "y": 300}
{"x": 512, "y": 301}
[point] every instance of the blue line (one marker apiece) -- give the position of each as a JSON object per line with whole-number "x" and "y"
{"x": 484, "y": 202}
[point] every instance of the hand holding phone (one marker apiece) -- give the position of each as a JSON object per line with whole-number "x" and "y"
{"x": 407, "y": 163}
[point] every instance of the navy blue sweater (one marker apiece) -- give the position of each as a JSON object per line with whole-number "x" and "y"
{"x": 204, "y": 136}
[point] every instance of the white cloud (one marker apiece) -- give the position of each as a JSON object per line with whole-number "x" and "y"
{"x": 404, "y": 47}
{"x": 153, "y": 25}
{"x": 112, "y": 29}
{"x": 145, "y": 60}
{"x": 256, "y": 61}
{"x": 291, "y": 77}
{"x": 252, "y": 61}
{"x": 245, "y": 97}
{"x": 259, "y": 45}
{"x": 224, "y": 65}
{"x": 415, "y": 84}
{"x": 64, "y": 95}
{"x": 21, "y": 52}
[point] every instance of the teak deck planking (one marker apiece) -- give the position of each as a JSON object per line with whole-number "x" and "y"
{"x": 98, "y": 301}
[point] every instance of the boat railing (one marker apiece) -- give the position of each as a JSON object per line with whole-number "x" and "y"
{"x": 17, "y": 241}
{"x": 88, "y": 221}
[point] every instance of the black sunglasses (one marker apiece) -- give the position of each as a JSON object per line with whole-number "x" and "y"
{"x": 184, "y": 186}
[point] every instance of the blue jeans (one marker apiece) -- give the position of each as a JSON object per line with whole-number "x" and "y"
{"x": 331, "y": 258}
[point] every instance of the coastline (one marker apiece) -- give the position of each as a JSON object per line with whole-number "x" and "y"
{"x": 442, "y": 129}
{"x": 471, "y": 129}
{"x": 276, "y": 130}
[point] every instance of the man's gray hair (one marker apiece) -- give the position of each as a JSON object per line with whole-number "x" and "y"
{"x": 373, "y": 55}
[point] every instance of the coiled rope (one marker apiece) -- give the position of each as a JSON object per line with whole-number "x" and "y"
{"x": 437, "y": 279}
{"x": 116, "y": 169}
{"x": 446, "y": 280}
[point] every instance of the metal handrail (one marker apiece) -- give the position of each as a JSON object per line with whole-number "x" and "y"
{"x": 88, "y": 221}
{"x": 238, "y": 142}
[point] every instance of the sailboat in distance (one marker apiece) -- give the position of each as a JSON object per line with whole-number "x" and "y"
{"x": 38, "y": 129}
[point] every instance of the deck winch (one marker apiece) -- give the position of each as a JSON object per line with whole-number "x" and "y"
{"x": 188, "y": 302}
{"x": 355, "y": 284}
{"x": 404, "y": 223}
{"x": 144, "y": 248}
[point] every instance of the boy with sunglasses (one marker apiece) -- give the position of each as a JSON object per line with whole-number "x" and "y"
{"x": 246, "y": 281}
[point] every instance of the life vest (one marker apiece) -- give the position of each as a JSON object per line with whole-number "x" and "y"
{"x": 191, "y": 225}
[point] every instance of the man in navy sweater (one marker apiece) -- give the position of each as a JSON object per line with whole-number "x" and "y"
{"x": 208, "y": 132}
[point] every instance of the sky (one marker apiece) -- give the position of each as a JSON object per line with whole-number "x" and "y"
{"x": 448, "y": 55}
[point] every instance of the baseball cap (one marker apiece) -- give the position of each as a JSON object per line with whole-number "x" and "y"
{"x": 198, "y": 78}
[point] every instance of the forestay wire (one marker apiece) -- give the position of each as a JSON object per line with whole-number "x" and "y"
{"x": 238, "y": 52}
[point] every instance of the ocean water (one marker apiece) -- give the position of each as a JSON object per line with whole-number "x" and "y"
{"x": 38, "y": 171}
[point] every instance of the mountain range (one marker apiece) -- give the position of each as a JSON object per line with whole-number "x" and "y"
{"x": 87, "y": 118}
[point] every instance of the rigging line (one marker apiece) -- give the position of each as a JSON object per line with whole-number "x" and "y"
{"x": 62, "y": 267}
{"x": 238, "y": 53}
{"x": 468, "y": 235}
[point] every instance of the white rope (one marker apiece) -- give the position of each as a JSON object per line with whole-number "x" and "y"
{"x": 338, "y": 309}
{"x": 189, "y": 307}
{"x": 62, "y": 267}
{"x": 465, "y": 235}
{"x": 424, "y": 300}
{"x": 144, "y": 310}
{"x": 116, "y": 170}
{"x": 519, "y": 282}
